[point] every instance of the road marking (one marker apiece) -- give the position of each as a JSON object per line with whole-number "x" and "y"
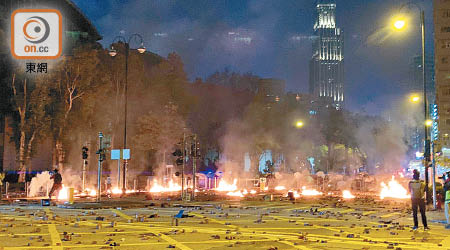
{"x": 213, "y": 220}
{"x": 348, "y": 211}
{"x": 390, "y": 215}
{"x": 155, "y": 231}
{"x": 54, "y": 235}
{"x": 369, "y": 212}
{"x": 121, "y": 214}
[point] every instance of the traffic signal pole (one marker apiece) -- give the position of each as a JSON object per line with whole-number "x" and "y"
{"x": 194, "y": 167}
{"x": 182, "y": 168}
{"x": 99, "y": 177}
{"x": 84, "y": 175}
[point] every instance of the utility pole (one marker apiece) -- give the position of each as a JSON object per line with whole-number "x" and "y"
{"x": 194, "y": 167}
{"x": 84, "y": 155}
{"x": 100, "y": 159}
{"x": 182, "y": 168}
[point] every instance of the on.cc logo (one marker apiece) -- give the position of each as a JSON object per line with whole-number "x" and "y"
{"x": 36, "y": 34}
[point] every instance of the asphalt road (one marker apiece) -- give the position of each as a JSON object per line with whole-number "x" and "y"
{"x": 307, "y": 224}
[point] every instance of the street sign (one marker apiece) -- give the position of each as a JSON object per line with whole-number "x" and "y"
{"x": 115, "y": 154}
{"x": 126, "y": 154}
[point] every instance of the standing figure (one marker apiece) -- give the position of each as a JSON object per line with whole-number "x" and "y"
{"x": 417, "y": 190}
{"x": 447, "y": 198}
{"x": 57, "y": 184}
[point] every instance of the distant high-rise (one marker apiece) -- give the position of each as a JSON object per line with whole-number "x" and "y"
{"x": 326, "y": 76}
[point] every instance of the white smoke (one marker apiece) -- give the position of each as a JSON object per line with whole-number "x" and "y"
{"x": 40, "y": 184}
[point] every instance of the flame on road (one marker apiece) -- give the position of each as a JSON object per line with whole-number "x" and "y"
{"x": 310, "y": 192}
{"x": 393, "y": 190}
{"x": 63, "y": 193}
{"x": 172, "y": 187}
{"x": 346, "y": 194}
{"x": 236, "y": 194}
{"x": 116, "y": 190}
{"x": 226, "y": 187}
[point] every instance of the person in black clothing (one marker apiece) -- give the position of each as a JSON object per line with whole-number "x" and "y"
{"x": 417, "y": 190}
{"x": 57, "y": 184}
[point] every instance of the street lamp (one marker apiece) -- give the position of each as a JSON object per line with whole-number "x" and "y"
{"x": 399, "y": 24}
{"x": 414, "y": 98}
{"x": 299, "y": 124}
{"x": 112, "y": 52}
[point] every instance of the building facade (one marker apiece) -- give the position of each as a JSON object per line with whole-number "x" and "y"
{"x": 326, "y": 77}
{"x": 442, "y": 70}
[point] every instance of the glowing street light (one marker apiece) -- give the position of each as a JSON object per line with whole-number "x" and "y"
{"x": 428, "y": 123}
{"x": 415, "y": 98}
{"x": 399, "y": 24}
{"x": 299, "y": 124}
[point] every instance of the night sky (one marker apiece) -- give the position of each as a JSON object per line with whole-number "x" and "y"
{"x": 271, "y": 38}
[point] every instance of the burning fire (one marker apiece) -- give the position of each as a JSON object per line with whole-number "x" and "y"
{"x": 347, "y": 195}
{"x": 172, "y": 187}
{"x": 393, "y": 190}
{"x": 116, "y": 190}
{"x": 225, "y": 187}
{"x": 310, "y": 192}
{"x": 63, "y": 193}
{"x": 279, "y": 188}
{"x": 236, "y": 194}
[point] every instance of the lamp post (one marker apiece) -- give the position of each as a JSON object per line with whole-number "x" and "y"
{"x": 399, "y": 25}
{"x": 113, "y": 52}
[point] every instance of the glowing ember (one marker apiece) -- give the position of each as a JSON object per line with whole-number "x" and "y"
{"x": 279, "y": 188}
{"x": 93, "y": 192}
{"x": 347, "y": 195}
{"x": 225, "y": 187}
{"x": 116, "y": 190}
{"x": 393, "y": 190}
{"x": 63, "y": 193}
{"x": 172, "y": 187}
{"x": 310, "y": 192}
{"x": 235, "y": 194}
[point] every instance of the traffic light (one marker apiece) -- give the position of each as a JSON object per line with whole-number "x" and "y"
{"x": 197, "y": 149}
{"x": 84, "y": 153}
{"x": 193, "y": 149}
{"x": 102, "y": 154}
{"x": 179, "y": 161}
{"x": 177, "y": 152}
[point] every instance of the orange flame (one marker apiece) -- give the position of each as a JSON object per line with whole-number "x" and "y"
{"x": 310, "y": 192}
{"x": 226, "y": 187}
{"x": 172, "y": 187}
{"x": 393, "y": 190}
{"x": 346, "y": 194}
{"x": 63, "y": 193}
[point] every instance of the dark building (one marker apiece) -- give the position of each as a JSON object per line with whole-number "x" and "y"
{"x": 77, "y": 30}
{"x": 326, "y": 77}
{"x": 272, "y": 90}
